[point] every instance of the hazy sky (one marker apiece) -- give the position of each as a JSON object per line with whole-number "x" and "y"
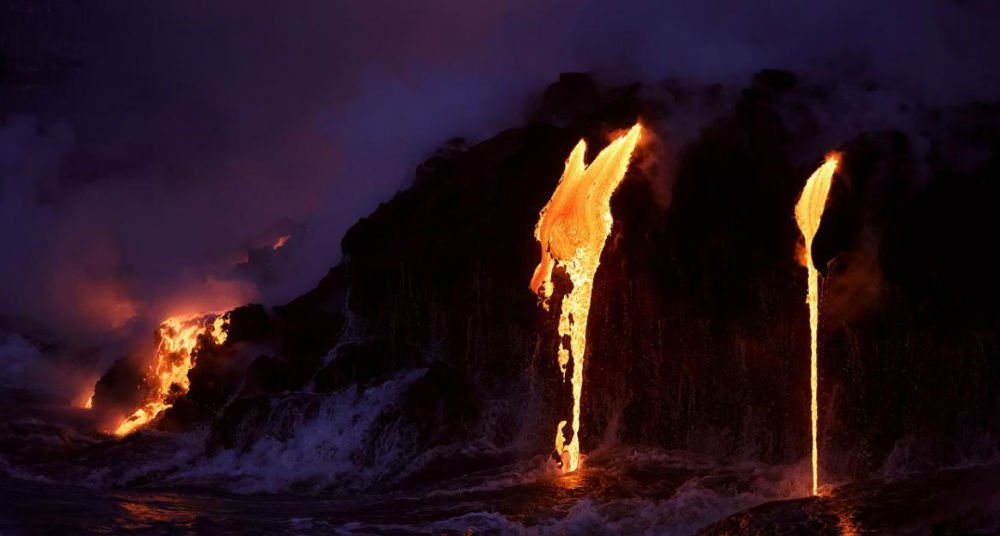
{"x": 192, "y": 130}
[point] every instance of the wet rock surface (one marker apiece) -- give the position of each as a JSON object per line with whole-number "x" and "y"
{"x": 952, "y": 502}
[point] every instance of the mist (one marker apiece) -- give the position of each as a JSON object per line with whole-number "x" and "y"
{"x": 190, "y": 133}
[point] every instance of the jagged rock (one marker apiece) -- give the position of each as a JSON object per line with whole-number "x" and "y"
{"x": 241, "y": 418}
{"x": 311, "y": 325}
{"x": 267, "y": 375}
{"x": 306, "y": 338}
{"x": 247, "y": 420}
{"x": 442, "y": 402}
{"x": 249, "y": 323}
{"x": 355, "y": 364}
{"x": 574, "y": 94}
{"x": 123, "y": 386}
{"x": 437, "y": 408}
{"x": 215, "y": 379}
{"x": 442, "y": 157}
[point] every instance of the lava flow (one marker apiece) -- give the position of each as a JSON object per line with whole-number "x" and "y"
{"x": 280, "y": 242}
{"x": 808, "y": 212}
{"x": 178, "y": 337}
{"x": 572, "y": 229}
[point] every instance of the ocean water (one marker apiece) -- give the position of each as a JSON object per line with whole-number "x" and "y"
{"x": 618, "y": 491}
{"x": 335, "y": 464}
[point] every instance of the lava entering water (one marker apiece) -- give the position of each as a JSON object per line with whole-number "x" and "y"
{"x": 572, "y": 229}
{"x": 178, "y": 337}
{"x": 808, "y": 212}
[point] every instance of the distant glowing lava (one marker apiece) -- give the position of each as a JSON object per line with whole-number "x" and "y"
{"x": 572, "y": 229}
{"x": 280, "y": 242}
{"x": 808, "y": 212}
{"x": 177, "y": 339}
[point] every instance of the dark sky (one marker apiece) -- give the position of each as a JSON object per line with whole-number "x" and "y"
{"x": 190, "y": 131}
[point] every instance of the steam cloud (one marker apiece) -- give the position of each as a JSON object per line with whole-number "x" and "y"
{"x": 192, "y": 129}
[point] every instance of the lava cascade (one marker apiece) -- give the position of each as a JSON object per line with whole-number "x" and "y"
{"x": 808, "y": 212}
{"x": 572, "y": 229}
{"x": 177, "y": 339}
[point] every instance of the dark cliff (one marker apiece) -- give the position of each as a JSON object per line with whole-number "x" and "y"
{"x": 698, "y": 335}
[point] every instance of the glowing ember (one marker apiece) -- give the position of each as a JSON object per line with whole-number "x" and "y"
{"x": 808, "y": 212}
{"x": 178, "y": 337}
{"x": 280, "y": 243}
{"x": 572, "y": 229}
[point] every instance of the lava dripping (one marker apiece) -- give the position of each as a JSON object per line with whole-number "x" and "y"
{"x": 572, "y": 229}
{"x": 808, "y": 212}
{"x": 177, "y": 339}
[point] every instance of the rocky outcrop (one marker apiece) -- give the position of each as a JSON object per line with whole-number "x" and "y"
{"x": 698, "y": 331}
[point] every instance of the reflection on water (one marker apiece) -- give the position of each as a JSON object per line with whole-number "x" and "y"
{"x": 845, "y": 523}
{"x": 571, "y": 481}
{"x": 627, "y": 488}
{"x": 150, "y": 511}
{"x": 623, "y": 491}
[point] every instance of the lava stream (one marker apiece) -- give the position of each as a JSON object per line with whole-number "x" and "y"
{"x": 178, "y": 337}
{"x": 808, "y": 212}
{"x": 572, "y": 229}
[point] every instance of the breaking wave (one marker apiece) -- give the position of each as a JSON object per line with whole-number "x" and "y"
{"x": 305, "y": 443}
{"x": 321, "y": 449}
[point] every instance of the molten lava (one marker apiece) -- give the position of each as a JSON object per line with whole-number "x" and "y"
{"x": 178, "y": 337}
{"x": 808, "y": 212}
{"x": 572, "y": 229}
{"x": 280, "y": 242}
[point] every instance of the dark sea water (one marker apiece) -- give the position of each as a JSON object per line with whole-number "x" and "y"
{"x": 623, "y": 493}
{"x": 57, "y": 479}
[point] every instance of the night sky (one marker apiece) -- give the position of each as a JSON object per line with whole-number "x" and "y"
{"x": 146, "y": 147}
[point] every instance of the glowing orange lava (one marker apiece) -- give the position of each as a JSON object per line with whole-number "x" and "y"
{"x": 178, "y": 337}
{"x": 808, "y": 212}
{"x": 280, "y": 243}
{"x": 572, "y": 229}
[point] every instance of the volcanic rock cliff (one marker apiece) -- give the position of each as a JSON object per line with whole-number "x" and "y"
{"x": 698, "y": 335}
